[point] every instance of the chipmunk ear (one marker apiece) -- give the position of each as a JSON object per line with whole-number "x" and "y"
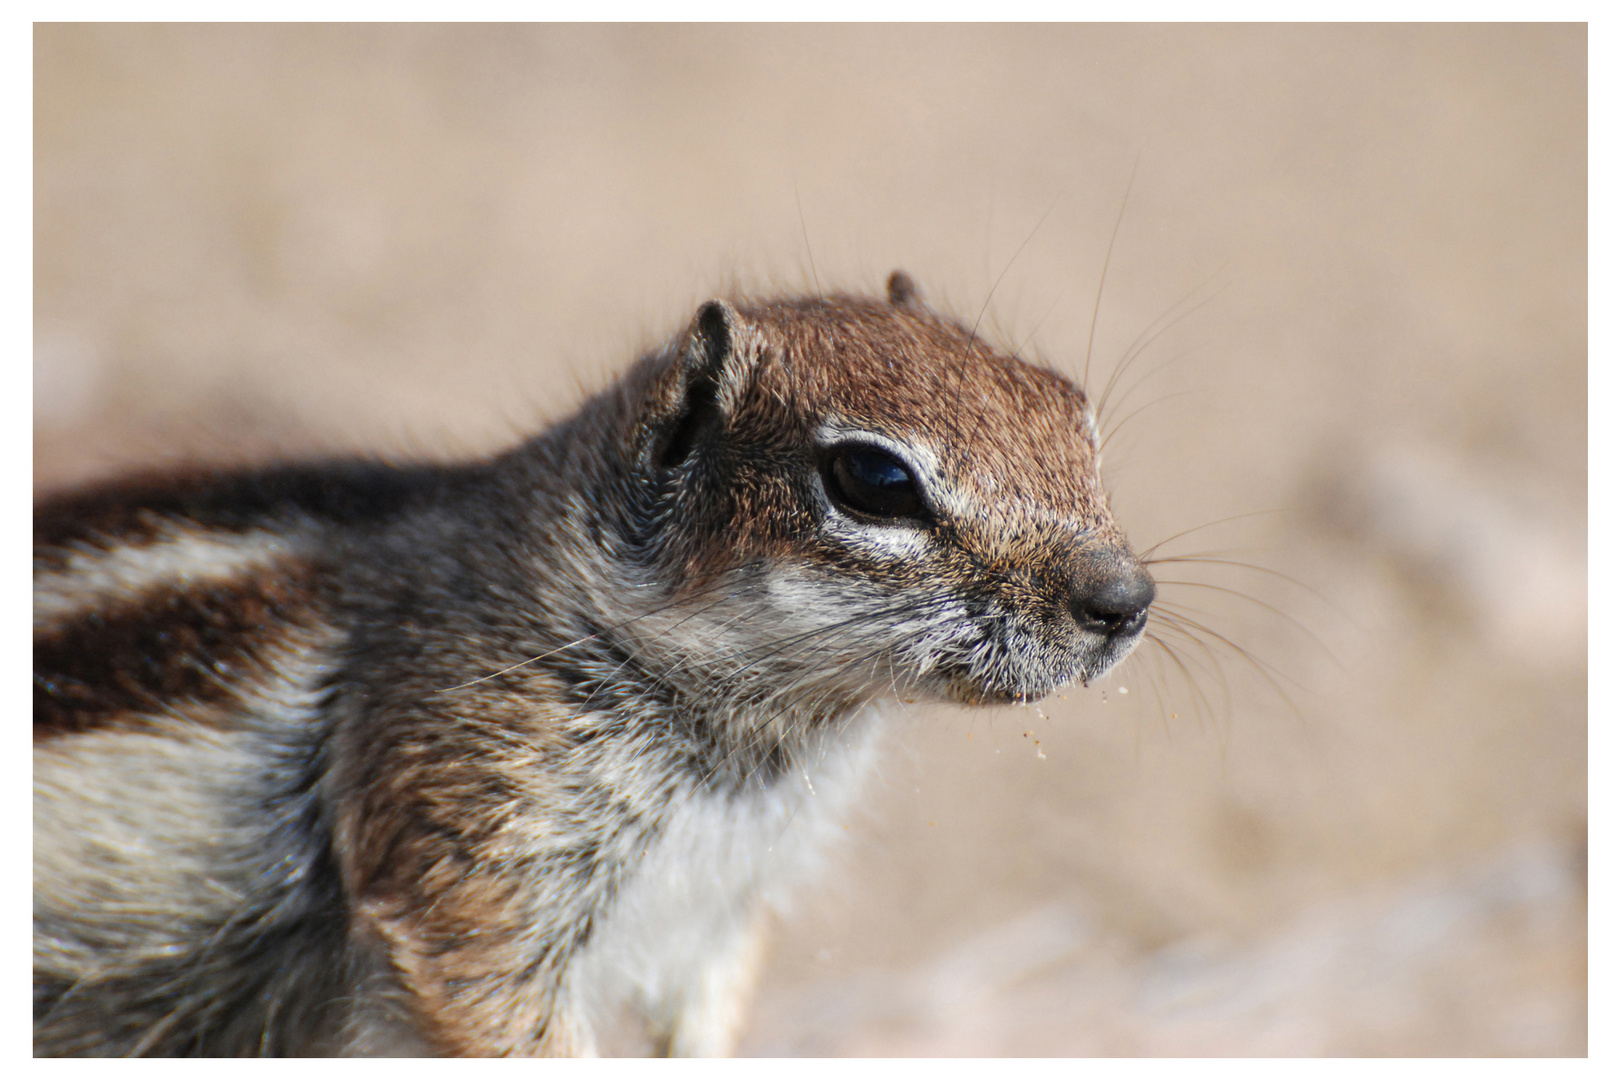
{"x": 706, "y": 383}
{"x": 903, "y": 292}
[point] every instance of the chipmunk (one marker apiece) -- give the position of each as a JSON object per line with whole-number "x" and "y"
{"x": 514, "y": 757}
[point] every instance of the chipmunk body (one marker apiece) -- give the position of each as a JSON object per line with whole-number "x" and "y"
{"x": 514, "y": 757}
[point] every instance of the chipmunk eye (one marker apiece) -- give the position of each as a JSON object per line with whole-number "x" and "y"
{"x": 873, "y": 482}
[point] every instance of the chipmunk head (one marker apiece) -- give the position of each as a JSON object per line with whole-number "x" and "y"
{"x": 860, "y": 497}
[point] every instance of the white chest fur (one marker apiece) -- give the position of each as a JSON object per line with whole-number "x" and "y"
{"x": 669, "y": 966}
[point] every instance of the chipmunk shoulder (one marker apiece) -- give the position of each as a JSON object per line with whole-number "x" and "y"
{"x": 515, "y": 756}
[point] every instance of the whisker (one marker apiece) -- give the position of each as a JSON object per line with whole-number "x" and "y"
{"x": 1266, "y": 670}
{"x": 757, "y": 731}
{"x": 901, "y": 608}
{"x": 1145, "y": 555}
{"x": 1102, "y": 280}
{"x": 1148, "y": 377}
{"x": 661, "y": 678}
{"x": 790, "y": 693}
{"x": 1215, "y": 671}
{"x": 1156, "y": 401}
{"x": 1154, "y": 676}
{"x": 781, "y": 647}
{"x": 588, "y": 637}
{"x": 873, "y": 617}
{"x": 805, "y": 231}
{"x": 1018, "y": 353}
{"x": 1200, "y": 559}
{"x": 1301, "y": 627}
{"x": 1150, "y": 335}
{"x": 974, "y": 333}
{"x": 1191, "y": 683}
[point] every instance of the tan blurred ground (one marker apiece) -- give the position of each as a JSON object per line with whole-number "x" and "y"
{"x": 428, "y": 240}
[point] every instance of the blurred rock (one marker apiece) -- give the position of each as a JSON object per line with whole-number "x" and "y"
{"x": 1508, "y": 555}
{"x": 1442, "y": 963}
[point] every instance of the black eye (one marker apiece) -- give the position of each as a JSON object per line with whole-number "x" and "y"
{"x": 873, "y": 482}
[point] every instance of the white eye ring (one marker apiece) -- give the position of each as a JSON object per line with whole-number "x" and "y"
{"x": 883, "y": 538}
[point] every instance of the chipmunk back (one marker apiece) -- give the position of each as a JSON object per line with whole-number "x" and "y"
{"x": 513, "y": 757}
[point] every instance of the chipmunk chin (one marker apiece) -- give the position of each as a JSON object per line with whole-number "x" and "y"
{"x": 962, "y": 688}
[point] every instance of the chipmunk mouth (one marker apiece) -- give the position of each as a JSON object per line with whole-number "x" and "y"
{"x": 1017, "y": 671}
{"x": 1030, "y": 642}
{"x": 966, "y": 691}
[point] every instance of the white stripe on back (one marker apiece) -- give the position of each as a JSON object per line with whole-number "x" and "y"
{"x": 177, "y": 558}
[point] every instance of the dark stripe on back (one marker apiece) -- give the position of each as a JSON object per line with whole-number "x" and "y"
{"x": 136, "y": 508}
{"x": 167, "y": 649}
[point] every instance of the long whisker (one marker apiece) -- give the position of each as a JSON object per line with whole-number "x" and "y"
{"x": 1301, "y": 627}
{"x": 1187, "y": 676}
{"x": 805, "y": 231}
{"x": 781, "y": 646}
{"x": 1102, "y": 280}
{"x": 1144, "y": 555}
{"x": 1018, "y": 353}
{"x": 723, "y": 689}
{"x": 1215, "y": 670}
{"x": 1200, "y": 559}
{"x": 1154, "y": 674}
{"x": 1266, "y": 670}
{"x": 974, "y": 333}
{"x": 1154, "y": 331}
{"x": 1157, "y": 401}
{"x": 1147, "y": 376}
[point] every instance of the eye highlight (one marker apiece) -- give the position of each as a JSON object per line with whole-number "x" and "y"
{"x": 873, "y": 483}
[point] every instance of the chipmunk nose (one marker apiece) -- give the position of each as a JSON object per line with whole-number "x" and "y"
{"x": 1116, "y": 603}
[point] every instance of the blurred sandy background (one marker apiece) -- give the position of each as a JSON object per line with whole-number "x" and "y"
{"x": 254, "y": 240}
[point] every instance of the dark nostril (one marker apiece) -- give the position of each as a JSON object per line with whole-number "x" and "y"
{"x": 1117, "y": 605}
